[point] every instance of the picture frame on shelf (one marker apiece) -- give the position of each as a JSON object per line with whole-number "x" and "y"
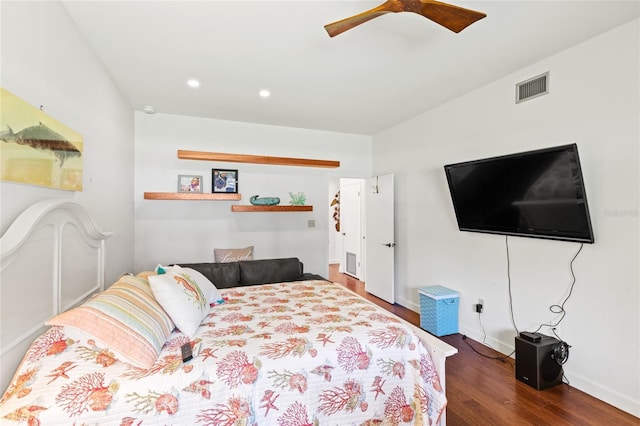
{"x": 224, "y": 180}
{"x": 190, "y": 183}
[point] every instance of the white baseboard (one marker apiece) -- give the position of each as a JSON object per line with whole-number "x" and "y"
{"x": 488, "y": 341}
{"x": 596, "y": 390}
{"x": 610, "y": 396}
{"x": 408, "y": 304}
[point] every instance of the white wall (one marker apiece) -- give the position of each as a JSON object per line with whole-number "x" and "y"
{"x": 594, "y": 102}
{"x": 188, "y": 231}
{"x": 46, "y": 61}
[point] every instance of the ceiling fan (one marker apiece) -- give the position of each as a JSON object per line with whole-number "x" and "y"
{"x": 449, "y": 16}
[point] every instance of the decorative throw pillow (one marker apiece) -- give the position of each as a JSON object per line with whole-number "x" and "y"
{"x": 208, "y": 288}
{"x": 232, "y": 255}
{"x": 161, "y": 269}
{"x": 126, "y": 318}
{"x": 181, "y": 296}
{"x": 211, "y": 293}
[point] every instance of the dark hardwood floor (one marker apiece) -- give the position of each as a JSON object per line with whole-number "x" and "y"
{"x": 484, "y": 391}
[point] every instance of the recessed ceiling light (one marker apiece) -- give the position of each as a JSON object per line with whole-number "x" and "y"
{"x": 193, "y": 83}
{"x": 264, "y": 93}
{"x": 149, "y": 109}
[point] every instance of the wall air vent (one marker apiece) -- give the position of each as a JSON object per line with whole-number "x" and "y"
{"x": 532, "y": 88}
{"x": 351, "y": 263}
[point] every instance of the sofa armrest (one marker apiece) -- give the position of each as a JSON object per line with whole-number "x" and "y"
{"x": 309, "y": 277}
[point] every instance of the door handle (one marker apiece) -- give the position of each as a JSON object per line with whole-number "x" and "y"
{"x": 389, "y": 244}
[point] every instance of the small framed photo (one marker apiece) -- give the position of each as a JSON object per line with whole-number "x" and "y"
{"x": 189, "y": 183}
{"x": 224, "y": 180}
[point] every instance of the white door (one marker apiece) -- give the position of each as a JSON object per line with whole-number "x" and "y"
{"x": 350, "y": 227}
{"x": 379, "y": 237}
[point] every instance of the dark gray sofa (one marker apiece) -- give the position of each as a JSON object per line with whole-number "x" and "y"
{"x": 253, "y": 272}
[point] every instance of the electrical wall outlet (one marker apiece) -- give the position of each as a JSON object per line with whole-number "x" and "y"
{"x": 479, "y": 308}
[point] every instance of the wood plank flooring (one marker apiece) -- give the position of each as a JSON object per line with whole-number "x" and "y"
{"x": 485, "y": 391}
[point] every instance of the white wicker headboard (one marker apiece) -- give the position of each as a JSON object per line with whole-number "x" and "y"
{"x": 51, "y": 258}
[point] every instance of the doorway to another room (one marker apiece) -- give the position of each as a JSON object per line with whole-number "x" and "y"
{"x": 363, "y": 244}
{"x": 351, "y": 227}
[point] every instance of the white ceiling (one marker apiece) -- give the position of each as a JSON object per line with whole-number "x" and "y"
{"x": 362, "y": 81}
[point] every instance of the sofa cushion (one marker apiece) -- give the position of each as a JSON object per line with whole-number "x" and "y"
{"x": 268, "y": 271}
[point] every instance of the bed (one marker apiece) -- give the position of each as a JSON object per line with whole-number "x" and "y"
{"x": 298, "y": 353}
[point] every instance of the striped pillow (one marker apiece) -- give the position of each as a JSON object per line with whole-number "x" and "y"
{"x": 126, "y": 318}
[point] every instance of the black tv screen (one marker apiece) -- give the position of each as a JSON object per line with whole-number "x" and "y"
{"x": 531, "y": 194}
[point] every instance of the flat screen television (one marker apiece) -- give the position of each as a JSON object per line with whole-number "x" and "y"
{"x": 537, "y": 194}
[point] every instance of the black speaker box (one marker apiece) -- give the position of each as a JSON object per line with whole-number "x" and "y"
{"x": 535, "y": 363}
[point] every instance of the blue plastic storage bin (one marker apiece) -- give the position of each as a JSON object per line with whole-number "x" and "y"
{"x": 439, "y": 310}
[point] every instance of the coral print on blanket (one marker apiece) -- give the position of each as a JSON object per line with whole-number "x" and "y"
{"x": 286, "y": 354}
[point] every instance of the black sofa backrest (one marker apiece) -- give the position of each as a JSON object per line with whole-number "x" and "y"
{"x": 222, "y": 275}
{"x": 269, "y": 271}
{"x": 253, "y": 272}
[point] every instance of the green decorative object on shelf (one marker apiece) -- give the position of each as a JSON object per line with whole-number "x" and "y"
{"x": 297, "y": 199}
{"x": 264, "y": 201}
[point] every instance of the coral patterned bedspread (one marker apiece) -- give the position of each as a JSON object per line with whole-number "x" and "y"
{"x": 301, "y": 353}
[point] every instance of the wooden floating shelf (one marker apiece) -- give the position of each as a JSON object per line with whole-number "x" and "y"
{"x": 191, "y": 196}
{"x": 256, "y": 159}
{"x": 252, "y": 208}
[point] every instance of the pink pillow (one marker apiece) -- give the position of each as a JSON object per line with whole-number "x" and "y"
{"x": 126, "y": 318}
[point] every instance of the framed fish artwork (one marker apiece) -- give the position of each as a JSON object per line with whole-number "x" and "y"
{"x": 36, "y": 149}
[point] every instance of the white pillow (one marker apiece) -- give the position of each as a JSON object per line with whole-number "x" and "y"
{"x": 208, "y": 288}
{"x": 210, "y": 291}
{"x": 182, "y": 298}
